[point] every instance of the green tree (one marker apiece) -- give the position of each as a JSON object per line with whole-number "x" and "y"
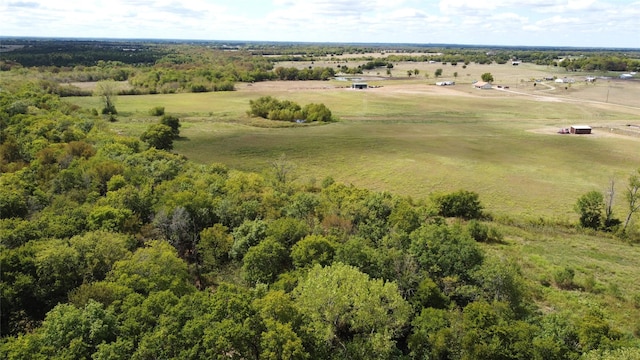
{"x": 632, "y": 195}
{"x": 317, "y": 112}
{"x": 283, "y": 171}
{"x": 99, "y": 250}
{"x": 462, "y": 203}
{"x": 313, "y": 249}
{"x": 264, "y": 262}
{"x": 107, "y": 90}
{"x": 287, "y": 231}
{"x": 66, "y": 333}
{"x": 404, "y": 216}
{"x": 487, "y": 77}
{"x": 360, "y": 253}
{"x": 438, "y": 73}
{"x": 214, "y": 246}
{"x": 431, "y": 336}
{"x": 489, "y": 331}
{"x": 248, "y": 234}
{"x": 13, "y": 203}
{"x": 344, "y": 307}
{"x": 108, "y": 218}
{"x": 591, "y": 206}
{"x": 280, "y": 342}
{"x": 153, "y": 268}
{"x": 444, "y": 250}
{"x": 173, "y": 122}
{"x": 503, "y": 281}
{"x": 159, "y": 136}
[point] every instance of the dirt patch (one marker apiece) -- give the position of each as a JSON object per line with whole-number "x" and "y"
{"x": 290, "y": 85}
{"x": 626, "y": 131}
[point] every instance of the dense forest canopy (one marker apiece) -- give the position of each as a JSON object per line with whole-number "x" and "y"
{"x": 115, "y": 249}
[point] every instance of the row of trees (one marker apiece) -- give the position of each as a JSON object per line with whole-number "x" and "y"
{"x": 116, "y": 250}
{"x": 71, "y": 53}
{"x": 601, "y": 63}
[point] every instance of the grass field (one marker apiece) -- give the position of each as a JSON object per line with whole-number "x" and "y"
{"x": 414, "y": 138}
{"x": 411, "y": 137}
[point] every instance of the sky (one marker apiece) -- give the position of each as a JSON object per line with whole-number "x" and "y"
{"x": 577, "y": 23}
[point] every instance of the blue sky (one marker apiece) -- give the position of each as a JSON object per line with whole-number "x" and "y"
{"x": 582, "y": 23}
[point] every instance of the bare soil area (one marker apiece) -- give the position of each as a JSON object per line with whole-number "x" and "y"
{"x": 627, "y": 131}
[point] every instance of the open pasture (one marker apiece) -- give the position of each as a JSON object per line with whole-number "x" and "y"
{"x": 413, "y": 138}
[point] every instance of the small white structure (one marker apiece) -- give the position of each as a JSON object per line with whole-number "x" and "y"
{"x": 565, "y": 80}
{"x": 482, "y": 85}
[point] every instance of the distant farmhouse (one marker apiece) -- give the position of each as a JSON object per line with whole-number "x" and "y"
{"x": 565, "y": 80}
{"x": 580, "y": 129}
{"x": 482, "y": 85}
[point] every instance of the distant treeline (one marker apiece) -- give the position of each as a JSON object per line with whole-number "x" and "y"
{"x": 168, "y": 67}
{"x": 87, "y": 53}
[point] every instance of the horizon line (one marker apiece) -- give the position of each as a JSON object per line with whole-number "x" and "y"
{"x": 405, "y": 44}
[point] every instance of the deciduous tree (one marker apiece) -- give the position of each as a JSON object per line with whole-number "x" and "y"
{"x": 632, "y": 195}
{"x": 487, "y": 77}
{"x": 159, "y": 136}
{"x": 590, "y": 206}
{"x": 344, "y": 306}
{"x": 107, "y": 90}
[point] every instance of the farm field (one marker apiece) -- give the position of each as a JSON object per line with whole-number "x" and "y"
{"x": 410, "y": 137}
{"x": 253, "y": 217}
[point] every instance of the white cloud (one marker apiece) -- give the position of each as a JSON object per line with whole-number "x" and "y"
{"x": 513, "y": 22}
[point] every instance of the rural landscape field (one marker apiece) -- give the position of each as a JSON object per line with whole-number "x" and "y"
{"x": 411, "y": 137}
{"x": 151, "y": 207}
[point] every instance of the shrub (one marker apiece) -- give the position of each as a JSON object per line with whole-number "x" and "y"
{"x": 463, "y": 204}
{"x": 224, "y": 86}
{"x": 564, "y": 278}
{"x": 172, "y": 122}
{"x": 157, "y": 111}
{"x": 591, "y": 206}
{"x": 109, "y": 110}
{"x": 159, "y": 136}
{"x": 317, "y": 112}
{"x": 478, "y": 231}
{"x": 273, "y": 109}
{"x": 199, "y": 88}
